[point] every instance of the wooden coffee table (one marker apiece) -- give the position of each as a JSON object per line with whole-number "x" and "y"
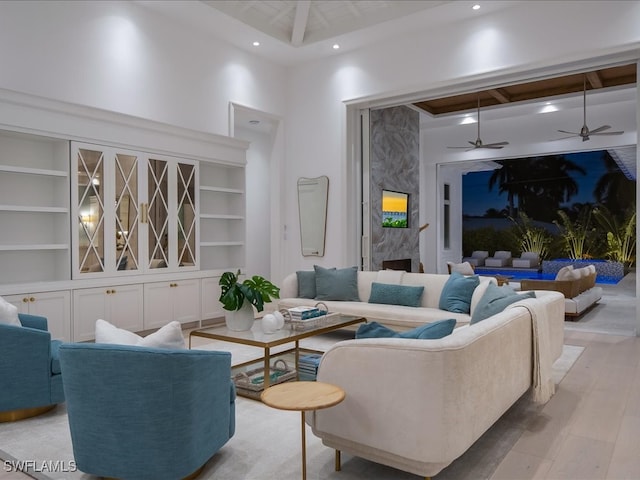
{"x": 303, "y": 396}
{"x": 257, "y": 338}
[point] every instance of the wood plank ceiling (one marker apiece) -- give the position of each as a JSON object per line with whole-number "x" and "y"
{"x": 602, "y": 78}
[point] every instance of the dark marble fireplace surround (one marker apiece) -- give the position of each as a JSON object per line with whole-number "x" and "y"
{"x": 401, "y": 264}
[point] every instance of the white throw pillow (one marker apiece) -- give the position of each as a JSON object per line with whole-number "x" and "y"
{"x": 463, "y": 268}
{"x": 108, "y": 333}
{"x": 169, "y": 336}
{"x": 9, "y": 313}
{"x": 565, "y": 273}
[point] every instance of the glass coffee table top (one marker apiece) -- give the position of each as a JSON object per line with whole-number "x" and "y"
{"x": 287, "y": 334}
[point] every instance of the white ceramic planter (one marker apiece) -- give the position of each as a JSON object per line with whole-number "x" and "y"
{"x": 240, "y": 320}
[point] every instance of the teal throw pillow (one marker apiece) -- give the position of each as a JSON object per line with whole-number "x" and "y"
{"x": 495, "y": 300}
{"x": 306, "y": 284}
{"x": 337, "y": 284}
{"x": 428, "y": 331}
{"x": 390, "y": 294}
{"x": 374, "y": 330}
{"x": 457, "y": 292}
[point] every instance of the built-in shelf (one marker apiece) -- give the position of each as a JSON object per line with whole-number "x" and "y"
{"x": 221, "y": 244}
{"x": 205, "y": 188}
{"x": 216, "y": 216}
{"x": 44, "y": 246}
{"x": 33, "y": 171}
{"x": 34, "y": 209}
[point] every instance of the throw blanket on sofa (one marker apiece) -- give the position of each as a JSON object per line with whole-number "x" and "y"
{"x": 543, "y": 386}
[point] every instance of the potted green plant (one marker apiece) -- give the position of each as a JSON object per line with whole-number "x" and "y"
{"x": 239, "y": 298}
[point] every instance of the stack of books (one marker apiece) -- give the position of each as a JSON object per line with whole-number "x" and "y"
{"x": 308, "y": 367}
{"x": 305, "y": 313}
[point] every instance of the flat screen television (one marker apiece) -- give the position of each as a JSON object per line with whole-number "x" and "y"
{"x": 395, "y": 209}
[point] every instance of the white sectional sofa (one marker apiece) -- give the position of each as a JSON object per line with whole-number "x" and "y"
{"x": 397, "y": 316}
{"x": 389, "y": 315}
{"x": 417, "y": 405}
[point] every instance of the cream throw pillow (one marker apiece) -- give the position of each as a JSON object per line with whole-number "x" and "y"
{"x": 9, "y": 313}
{"x": 565, "y": 273}
{"x": 464, "y": 268}
{"x": 169, "y": 336}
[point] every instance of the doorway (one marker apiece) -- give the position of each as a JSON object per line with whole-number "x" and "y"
{"x": 263, "y": 131}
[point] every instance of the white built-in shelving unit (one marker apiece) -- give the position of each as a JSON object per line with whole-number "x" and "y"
{"x": 34, "y": 208}
{"x": 222, "y": 215}
{"x": 55, "y": 206}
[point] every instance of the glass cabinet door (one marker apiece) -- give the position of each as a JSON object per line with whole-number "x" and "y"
{"x": 91, "y": 212}
{"x": 186, "y": 221}
{"x": 136, "y": 213}
{"x": 126, "y": 233}
{"x": 157, "y": 213}
{"x": 171, "y": 213}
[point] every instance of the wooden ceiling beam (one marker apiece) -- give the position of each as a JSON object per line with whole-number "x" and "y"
{"x": 569, "y": 84}
{"x": 500, "y": 95}
{"x": 594, "y": 79}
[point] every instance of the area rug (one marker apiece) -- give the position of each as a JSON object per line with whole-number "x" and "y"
{"x": 266, "y": 446}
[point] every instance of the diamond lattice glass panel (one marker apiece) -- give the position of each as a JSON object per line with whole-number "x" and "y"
{"x": 90, "y": 166}
{"x": 158, "y": 213}
{"x": 126, "y": 233}
{"x": 186, "y": 215}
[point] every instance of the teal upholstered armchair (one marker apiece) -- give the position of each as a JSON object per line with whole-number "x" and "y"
{"x": 30, "y": 380}
{"x": 146, "y": 413}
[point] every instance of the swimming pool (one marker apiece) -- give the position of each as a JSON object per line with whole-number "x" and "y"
{"x": 522, "y": 274}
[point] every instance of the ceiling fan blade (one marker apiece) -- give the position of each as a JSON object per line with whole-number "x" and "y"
{"x": 599, "y": 129}
{"x": 606, "y": 133}
{"x": 564, "y": 138}
{"x": 465, "y": 148}
{"x": 492, "y": 146}
{"x": 570, "y": 133}
{"x": 496, "y": 144}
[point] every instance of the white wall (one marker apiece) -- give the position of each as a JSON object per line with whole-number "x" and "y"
{"x": 119, "y": 56}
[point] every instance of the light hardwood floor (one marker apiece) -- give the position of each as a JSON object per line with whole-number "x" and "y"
{"x": 588, "y": 430}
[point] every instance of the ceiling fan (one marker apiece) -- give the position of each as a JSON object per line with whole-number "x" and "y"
{"x": 478, "y": 143}
{"x": 585, "y": 133}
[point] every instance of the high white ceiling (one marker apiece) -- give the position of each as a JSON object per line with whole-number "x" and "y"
{"x": 295, "y": 31}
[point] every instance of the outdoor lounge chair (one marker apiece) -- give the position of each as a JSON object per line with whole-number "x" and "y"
{"x": 501, "y": 258}
{"x": 527, "y": 260}
{"x": 477, "y": 258}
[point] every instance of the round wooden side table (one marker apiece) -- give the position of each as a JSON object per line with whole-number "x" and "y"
{"x": 303, "y": 396}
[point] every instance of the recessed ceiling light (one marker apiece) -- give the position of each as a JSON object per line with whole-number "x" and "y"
{"x": 476, "y": 7}
{"x": 548, "y": 107}
{"x": 256, "y": 44}
{"x": 336, "y": 46}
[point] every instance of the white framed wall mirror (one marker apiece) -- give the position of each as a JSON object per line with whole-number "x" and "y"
{"x": 313, "y": 195}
